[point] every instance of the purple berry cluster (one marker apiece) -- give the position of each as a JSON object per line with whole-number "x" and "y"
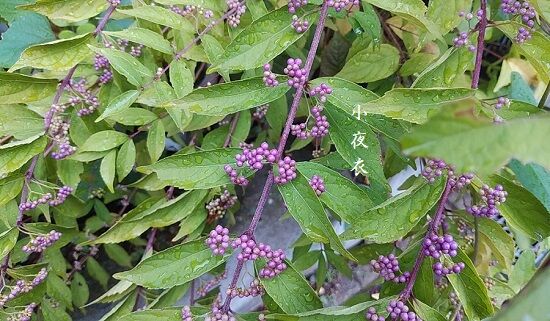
{"x": 25, "y": 315}
{"x": 61, "y": 195}
{"x": 388, "y": 268}
{"x": 254, "y": 158}
{"x": 260, "y": 112}
{"x": 22, "y": 286}
{"x": 338, "y": 5}
{"x": 492, "y": 197}
{"x": 239, "y": 9}
{"x": 317, "y": 184}
{"x": 186, "y": 314}
{"x": 441, "y": 269}
{"x": 300, "y": 131}
{"x": 297, "y": 75}
{"x": 235, "y": 178}
{"x": 270, "y": 79}
{"x": 399, "y": 311}
{"x": 435, "y": 167}
{"x": 250, "y": 251}
{"x": 322, "y": 91}
{"x": 216, "y": 312}
{"x": 255, "y": 289}
{"x": 42, "y": 242}
{"x": 102, "y": 63}
{"x": 196, "y": 10}
{"x": 218, "y": 206}
{"x": 286, "y": 170}
{"x": 82, "y": 97}
{"x": 295, "y": 4}
{"x": 502, "y": 102}
{"x": 299, "y": 25}
{"x": 372, "y": 315}
{"x": 203, "y": 290}
{"x": 58, "y": 130}
{"x": 218, "y": 240}
{"x": 526, "y": 11}
{"x": 321, "y": 126}
{"x": 435, "y": 246}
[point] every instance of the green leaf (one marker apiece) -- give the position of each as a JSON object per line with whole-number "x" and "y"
{"x": 346, "y": 132}
{"x": 145, "y": 37}
{"x": 124, "y": 307}
{"x": 125, "y": 159}
{"x": 440, "y": 136}
{"x": 98, "y": 273}
{"x": 52, "y": 312}
{"x": 471, "y": 290}
{"x": 396, "y": 217}
{"x": 20, "y": 122}
{"x": 416, "y": 105}
{"x": 69, "y": 172}
{"x": 447, "y": 71}
{"x": 342, "y": 196}
{"x": 118, "y": 254}
{"x": 134, "y": 117}
{"x": 543, "y": 8}
{"x": 156, "y": 94}
{"x": 26, "y": 30}
{"x": 501, "y": 243}
{"x": 107, "y": 169}
{"x": 127, "y": 65}
{"x": 13, "y": 158}
{"x": 152, "y": 213}
{"x": 175, "y": 266}
{"x": 155, "y": 140}
{"x": 169, "y": 314}
{"x": 263, "y": 40}
{"x": 213, "y": 5}
{"x": 443, "y": 13}
{"x": 417, "y": 62}
{"x": 79, "y": 290}
{"x": 305, "y": 208}
{"x": 119, "y": 103}
{"x": 58, "y": 289}
{"x": 291, "y": 291}
{"x": 7, "y": 241}
{"x": 229, "y": 98}
{"x": 426, "y": 312}
{"x": 103, "y": 141}
{"x": 181, "y": 78}
{"x": 371, "y": 64}
{"x": 538, "y": 46}
{"x": 169, "y": 297}
{"x": 69, "y": 10}
{"x": 58, "y": 55}
{"x": 161, "y": 16}
{"x": 523, "y": 271}
{"x": 535, "y": 178}
{"x": 532, "y": 304}
{"x": 117, "y": 292}
{"x": 10, "y": 188}
{"x": 198, "y": 170}
{"x": 20, "y": 89}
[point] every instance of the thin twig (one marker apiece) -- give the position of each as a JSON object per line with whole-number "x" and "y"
{"x": 482, "y": 26}
{"x": 544, "y": 97}
{"x": 231, "y": 130}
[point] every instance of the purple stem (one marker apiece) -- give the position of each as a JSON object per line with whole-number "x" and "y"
{"x": 282, "y": 143}
{"x": 482, "y": 26}
{"x": 406, "y": 293}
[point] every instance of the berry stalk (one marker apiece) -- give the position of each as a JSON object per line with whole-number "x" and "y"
{"x": 284, "y": 137}
{"x": 482, "y": 26}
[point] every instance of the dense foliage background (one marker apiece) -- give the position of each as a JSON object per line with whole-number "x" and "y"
{"x": 407, "y": 139}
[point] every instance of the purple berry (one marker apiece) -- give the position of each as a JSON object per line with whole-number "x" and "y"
{"x": 297, "y": 74}
{"x": 218, "y": 240}
{"x": 317, "y": 184}
{"x": 270, "y": 79}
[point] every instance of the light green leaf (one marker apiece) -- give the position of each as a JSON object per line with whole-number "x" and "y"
{"x": 156, "y": 94}
{"x": 7, "y": 241}
{"x": 155, "y": 140}
{"x": 20, "y": 89}
{"x": 58, "y": 55}
{"x": 169, "y": 297}
{"x": 124, "y": 307}
{"x": 10, "y": 188}
{"x": 534, "y": 178}
{"x": 447, "y": 70}
{"x": 69, "y": 172}
{"x": 168, "y": 314}
{"x": 305, "y": 208}
{"x": 125, "y": 160}
{"x": 98, "y": 273}
{"x": 536, "y": 47}
{"x": 194, "y": 171}
{"x": 134, "y": 117}
{"x": 103, "y": 141}
{"x": 145, "y": 37}
{"x": 342, "y": 196}
{"x": 229, "y": 98}
{"x": 58, "y": 289}
{"x": 291, "y": 291}
{"x": 13, "y": 158}
{"x": 160, "y": 15}
{"x": 181, "y": 78}
{"x": 69, "y": 10}
{"x": 426, "y": 312}
{"x": 127, "y": 65}
{"x": 396, "y": 217}
{"x": 119, "y": 104}
{"x": 213, "y": 5}
{"x": 118, "y": 254}
{"x": 543, "y": 8}
{"x": 501, "y": 243}
{"x": 417, "y": 62}
{"x": 523, "y": 271}
{"x": 470, "y": 290}
{"x": 371, "y": 64}
{"x": 263, "y": 40}
{"x": 442, "y": 134}
{"x": 79, "y": 289}
{"x": 107, "y": 169}
{"x": 175, "y": 266}
{"x": 52, "y": 312}
{"x": 444, "y": 13}
{"x": 20, "y": 122}
{"x": 117, "y": 292}
{"x": 416, "y": 105}
{"x": 346, "y": 132}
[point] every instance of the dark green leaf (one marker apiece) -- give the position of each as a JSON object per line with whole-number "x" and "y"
{"x": 104, "y": 141}
{"x": 125, "y": 159}
{"x": 534, "y": 178}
